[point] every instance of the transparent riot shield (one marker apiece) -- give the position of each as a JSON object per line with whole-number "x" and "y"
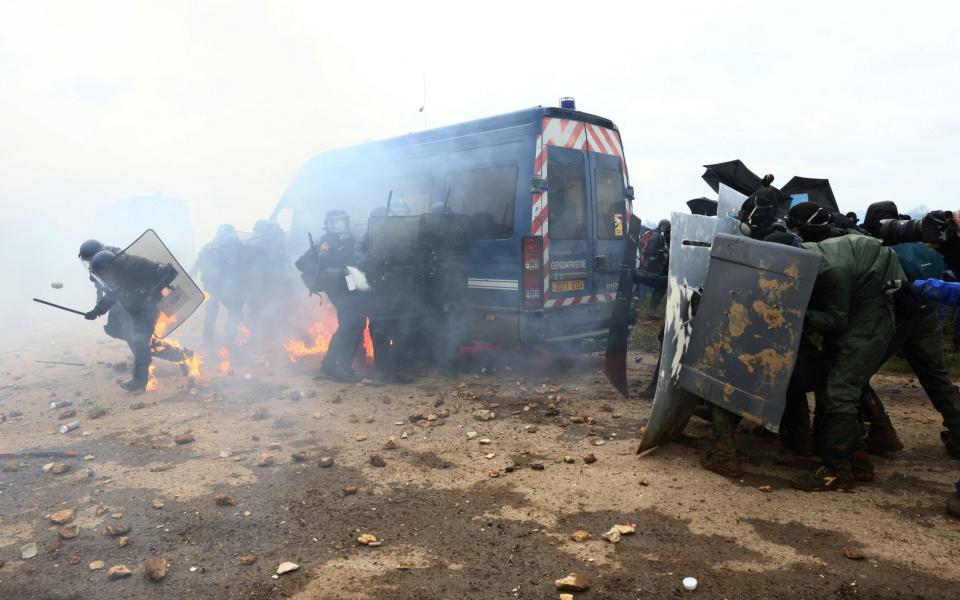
{"x": 690, "y": 239}
{"x": 749, "y": 322}
{"x": 728, "y": 205}
{"x": 158, "y": 277}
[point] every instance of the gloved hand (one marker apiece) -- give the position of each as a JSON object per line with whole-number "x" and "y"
{"x": 91, "y": 315}
{"x": 944, "y": 292}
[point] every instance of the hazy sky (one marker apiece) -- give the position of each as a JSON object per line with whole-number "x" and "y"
{"x": 221, "y": 102}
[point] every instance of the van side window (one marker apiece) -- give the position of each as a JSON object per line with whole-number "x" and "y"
{"x": 566, "y": 201}
{"x": 413, "y": 191}
{"x": 488, "y": 196}
{"x": 611, "y": 206}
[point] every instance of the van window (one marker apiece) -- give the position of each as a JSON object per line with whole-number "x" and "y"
{"x": 566, "y": 201}
{"x": 488, "y": 196}
{"x": 415, "y": 192}
{"x": 611, "y": 208}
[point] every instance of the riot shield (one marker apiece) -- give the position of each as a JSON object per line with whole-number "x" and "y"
{"x": 178, "y": 295}
{"x": 749, "y": 322}
{"x": 690, "y": 241}
{"x": 393, "y": 240}
{"x": 728, "y": 206}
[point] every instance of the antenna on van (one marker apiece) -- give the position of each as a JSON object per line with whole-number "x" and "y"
{"x": 389, "y": 198}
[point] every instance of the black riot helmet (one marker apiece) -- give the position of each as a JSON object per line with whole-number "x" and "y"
{"x": 336, "y": 221}
{"x": 100, "y": 260}
{"x": 89, "y": 248}
{"x": 757, "y": 215}
{"x": 879, "y": 211}
{"x": 664, "y": 228}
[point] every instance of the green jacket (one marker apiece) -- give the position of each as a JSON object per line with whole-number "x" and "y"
{"x": 853, "y": 271}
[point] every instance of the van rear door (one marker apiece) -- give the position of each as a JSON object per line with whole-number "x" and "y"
{"x": 610, "y": 218}
{"x": 568, "y": 227}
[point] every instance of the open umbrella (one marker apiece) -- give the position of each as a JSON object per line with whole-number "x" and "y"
{"x": 817, "y": 191}
{"x": 703, "y": 206}
{"x": 734, "y": 174}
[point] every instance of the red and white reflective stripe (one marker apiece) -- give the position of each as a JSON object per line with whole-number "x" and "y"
{"x": 560, "y": 302}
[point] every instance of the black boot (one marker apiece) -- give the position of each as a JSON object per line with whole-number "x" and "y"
{"x": 140, "y": 376}
{"x": 951, "y": 442}
{"x": 825, "y": 478}
{"x": 882, "y": 437}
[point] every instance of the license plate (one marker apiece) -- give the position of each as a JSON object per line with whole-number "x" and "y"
{"x": 573, "y": 285}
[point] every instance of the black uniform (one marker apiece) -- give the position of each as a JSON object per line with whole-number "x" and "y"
{"x": 220, "y": 263}
{"x": 135, "y": 284}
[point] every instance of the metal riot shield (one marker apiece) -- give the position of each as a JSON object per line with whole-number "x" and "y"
{"x": 749, "y": 322}
{"x": 691, "y": 236}
{"x": 728, "y": 206}
{"x": 178, "y": 295}
{"x": 393, "y": 240}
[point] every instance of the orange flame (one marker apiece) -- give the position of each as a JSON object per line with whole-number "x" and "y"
{"x": 224, "y": 365}
{"x": 243, "y": 335}
{"x": 206, "y": 296}
{"x": 163, "y": 324}
{"x": 152, "y": 384}
{"x": 321, "y": 332}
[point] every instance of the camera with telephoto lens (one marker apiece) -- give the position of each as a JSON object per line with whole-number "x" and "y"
{"x": 934, "y": 228}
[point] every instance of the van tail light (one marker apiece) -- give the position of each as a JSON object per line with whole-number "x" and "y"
{"x": 531, "y": 275}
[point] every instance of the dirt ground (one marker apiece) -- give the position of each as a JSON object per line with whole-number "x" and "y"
{"x": 449, "y": 528}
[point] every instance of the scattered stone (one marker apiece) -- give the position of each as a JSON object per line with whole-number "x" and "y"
{"x": 96, "y": 412}
{"x": 573, "y": 582}
{"x": 73, "y": 559}
{"x": 68, "y": 532}
{"x": 184, "y": 438}
{"x": 484, "y": 441}
{"x": 494, "y": 474}
{"x": 599, "y": 442}
{"x": 59, "y": 468}
{"x": 138, "y": 406}
{"x": 616, "y": 531}
{"x": 96, "y": 565}
{"x": 590, "y": 459}
{"x": 854, "y": 553}
{"x": 155, "y": 568}
{"x": 117, "y": 515}
{"x": 248, "y": 559}
{"x": 377, "y": 460}
{"x": 616, "y": 415}
{"x": 483, "y": 415}
{"x": 10, "y": 466}
{"x": 531, "y": 428}
{"x": 404, "y": 435}
{"x": 569, "y": 459}
{"x": 350, "y": 490}
{"x": 537, "y": 466}
{"x": 368, "y": 539}
{"x": 325, "y": 462}
{"x": 551, "y": 411}
{"x": 301, "y": 456}
{"x": 443, "y": 413}
{"x": 432, "y": 417}
{"x": 118, "y": 530}
{"x": 566, "y": 596}
{"x": 118, "y": 572}
{"x": 62, "y": 517}
{"x": 361, "y": 437}
{"x": 580, "y": 535}
{"x": 67, "y": 414}
{"x": 274, "y": 446}
{"x": 156, "y": 503}
{"x": 423, "y": 423}
{"x": 286, "y": 567}
{"x": 123, "y": 541}
{"x": 644, "y": 481}
{"x": 224, "y": 499}
{"x": 577, "y": 419}
{"x": 391, "y": 443}
{"x": 265, "y": 460}
{"x": 53, "y": 545}
{"x": 472, "y": 434}
{"x": 101, "y": 510}
{"x": 765, "y": 488}
{"x": 489, "y": 456}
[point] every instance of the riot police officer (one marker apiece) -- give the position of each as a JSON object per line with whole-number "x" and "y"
{"x": 117, "y": 317}
{"x": 324, "y": 268}
{"x": 136, "y": 284}
{"x": 219, "y": 263}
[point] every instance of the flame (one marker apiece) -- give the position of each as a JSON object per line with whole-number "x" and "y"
{"x": 243, "y": 335}
{"x": 224, "y": 355}
{"x": 152, "y": 384}
{"x": 163, "y": 324}
{"x": 206, "y": 296}
{"x": 192, "y": 362}
{"x": 321, "y": 332}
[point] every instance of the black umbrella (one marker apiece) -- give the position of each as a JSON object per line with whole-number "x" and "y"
{"x": 734, "y": 174}
{"x": 703, "y": 206}
{"x": 818, "y": 191}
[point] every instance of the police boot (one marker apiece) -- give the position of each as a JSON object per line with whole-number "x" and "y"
{"x": 721, "y": 456}
{"x": 882, "y": 437}
{"x": 951, "y": 440}
{"x": 953, "y": 505}
{"x": 648, "y": 392}
{"x": 825, "y": 478}
{"x": 138, "y": 382}
{"x": 860, "y": 467}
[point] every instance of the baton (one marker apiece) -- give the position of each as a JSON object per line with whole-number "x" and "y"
{"x": 60, "y": 307}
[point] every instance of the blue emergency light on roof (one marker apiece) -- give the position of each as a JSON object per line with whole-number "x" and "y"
{"x": 568, "y": 103}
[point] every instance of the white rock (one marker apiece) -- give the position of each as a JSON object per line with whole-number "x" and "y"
{"x": 286, "y": 567}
